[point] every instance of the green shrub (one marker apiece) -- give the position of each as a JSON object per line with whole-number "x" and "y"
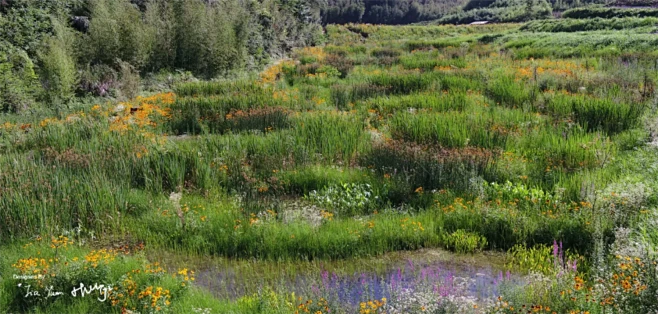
{"x": 304, "y": 180}
{"x": 347, "y": 199}
{"x": 462, "y": 241}
{"x": 116, "y": 31}
{"x": 129, "y": 81}
{"x": 535, "y": 259}
{"x": 18, "y": 82}
{"x": 58, "y": 66}
{"x": 340, "y": 63}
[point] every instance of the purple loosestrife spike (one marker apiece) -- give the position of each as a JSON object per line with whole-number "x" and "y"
{"x": 555, "y": 249}
{"x": 444, "y": 291}
{"x": 575, "y": 265}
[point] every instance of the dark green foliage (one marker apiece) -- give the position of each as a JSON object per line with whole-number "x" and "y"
{"x": 58, "y": 67}
{"x": 18, "y": 82}
{"x": 580, "y": 44}
{"x": 500, "y": 11}
{"x": 386, "y": 11}
{"x": 608, "y": 13}
{"x": 26, "y": 23}
{"x": 116, "y": 31}
{"x": 303, "y": 181}
{"x": 207, "y": 38}
{"x": 341, "y": 96}
{"x": 582, "y": 25}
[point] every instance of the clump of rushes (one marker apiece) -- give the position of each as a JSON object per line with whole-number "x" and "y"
{"x": 428, "y": 166}
{"x": 488, "y": 129}
{"x": 336, "y": 136}
{"x": 404, "y": 83}
{"x": 457, "y": 101}
{"x": 217, "y": 88}
{"x": 427, "y": 61}
{"x": 596, "y": 114}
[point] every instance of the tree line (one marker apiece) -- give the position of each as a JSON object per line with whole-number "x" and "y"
{"x": 54, "y": 50}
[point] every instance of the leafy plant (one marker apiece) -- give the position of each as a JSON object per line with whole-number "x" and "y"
{"x": 347, "y": 199}
{"x": 462, "y": 241}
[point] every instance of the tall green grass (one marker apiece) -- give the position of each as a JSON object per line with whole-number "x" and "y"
{"x": 217, "y": 88}
{"x": 594, "y": 114}
{"x": 457, "y": 101}
{"x": 483, "y": 128}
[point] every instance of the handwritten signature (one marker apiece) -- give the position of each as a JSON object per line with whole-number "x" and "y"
{"x": 81, "y": 290}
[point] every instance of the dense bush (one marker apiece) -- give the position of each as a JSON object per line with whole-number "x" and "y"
{"x": 58, "y": 68}
{"x": 18, "y": 81}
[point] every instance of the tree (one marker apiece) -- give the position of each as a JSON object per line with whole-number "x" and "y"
{"x": 58, "y": 67}
{"x": 529, "y": 9}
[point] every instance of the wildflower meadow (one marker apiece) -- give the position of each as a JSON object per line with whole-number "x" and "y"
{"x": 499, "y": 168}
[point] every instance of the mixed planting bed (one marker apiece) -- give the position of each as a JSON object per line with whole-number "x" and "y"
{"x": 469, "y": 139}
